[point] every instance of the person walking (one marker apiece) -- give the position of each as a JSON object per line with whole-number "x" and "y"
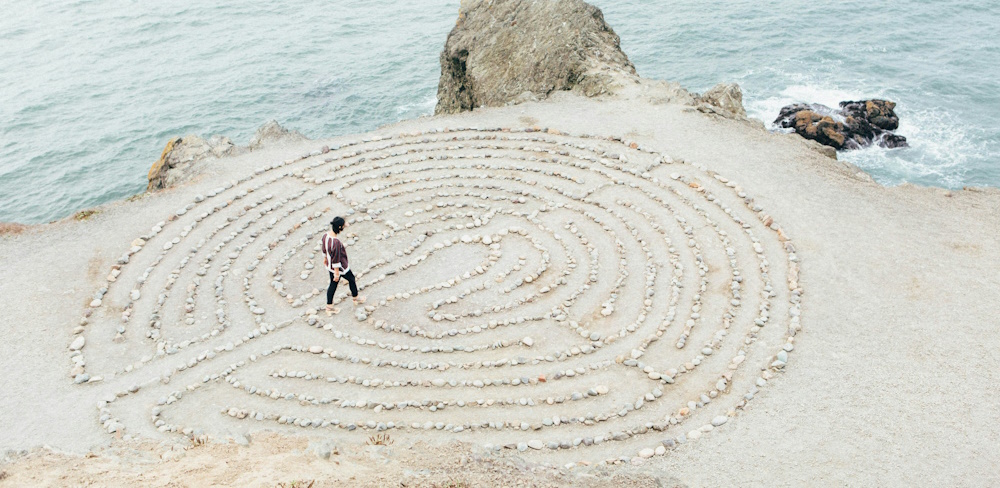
{"x": 336, "y": 263}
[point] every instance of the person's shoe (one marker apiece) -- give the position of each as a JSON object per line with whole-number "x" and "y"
{"x": 331, "y": 310}
{"x": 359, "y": 300}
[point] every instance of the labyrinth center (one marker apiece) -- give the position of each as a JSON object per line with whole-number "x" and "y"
{"x": 526, "y": 289}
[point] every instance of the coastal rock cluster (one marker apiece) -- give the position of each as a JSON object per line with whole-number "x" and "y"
{"x": 513, "y": 51}
{"x": 182, "y": 153}
{"x": 856, "y": 124}
{"x": 533, "y": 290}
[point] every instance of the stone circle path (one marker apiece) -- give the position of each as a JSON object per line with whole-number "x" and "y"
{"x": 568, "y": 296}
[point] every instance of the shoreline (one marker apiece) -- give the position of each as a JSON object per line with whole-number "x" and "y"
{"x": 14, "y": 226}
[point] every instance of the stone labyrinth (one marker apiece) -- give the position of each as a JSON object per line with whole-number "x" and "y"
{"x": 575, "y": 296}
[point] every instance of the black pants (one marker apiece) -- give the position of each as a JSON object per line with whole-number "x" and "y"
{"x": 349, "y": 276}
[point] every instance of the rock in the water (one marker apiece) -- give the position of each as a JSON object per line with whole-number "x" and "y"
{"x": 521, "y": 50}
{"x": 727, "y": 96}
{"x": 854, "y": 125}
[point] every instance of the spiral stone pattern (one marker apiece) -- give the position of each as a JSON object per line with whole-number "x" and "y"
{"x": 568, "y": 296}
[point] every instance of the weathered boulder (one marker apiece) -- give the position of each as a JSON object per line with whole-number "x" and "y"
{"x": 725, "y": 96}
{"x": 509, "y": 51}
{"x": 854, "y": 125}
{"x": 182, "y": 153}
{"x": 880, "y": 113}
{"x": 272, "y": 133}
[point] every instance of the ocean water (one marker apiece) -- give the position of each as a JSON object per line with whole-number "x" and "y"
{"x": 90, "y": 91}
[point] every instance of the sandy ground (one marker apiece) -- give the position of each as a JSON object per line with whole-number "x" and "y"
{"x": 890, "y": 383}
{"x": 282, "y": 461}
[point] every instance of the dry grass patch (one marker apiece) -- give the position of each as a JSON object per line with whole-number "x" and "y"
{"x": 10, "y": 229}
{"x": 85, "y": 214}
{"x": 297, "y": 484}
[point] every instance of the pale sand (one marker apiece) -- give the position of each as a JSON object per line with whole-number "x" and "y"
{"x": 889, "y": 384}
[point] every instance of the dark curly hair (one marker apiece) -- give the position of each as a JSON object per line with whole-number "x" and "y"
{"x": 337, "y": 224}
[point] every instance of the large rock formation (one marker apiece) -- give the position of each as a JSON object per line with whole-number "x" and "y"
{"x": 508, "y": 51}
{"x": 854, "y": 125}
{"x": 181, "y": 153}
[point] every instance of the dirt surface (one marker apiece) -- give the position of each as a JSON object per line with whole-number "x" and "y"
{"x": 278, "y": 461}
{"x": 889, "y": 383}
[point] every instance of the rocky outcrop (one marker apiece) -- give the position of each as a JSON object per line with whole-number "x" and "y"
{"x": 182, "y": 153}
{"x": 854, "y": 125}
{"x": 727, "y": 97}
{"x": 511, "y": 51}
{"x": 273, "y": 133}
